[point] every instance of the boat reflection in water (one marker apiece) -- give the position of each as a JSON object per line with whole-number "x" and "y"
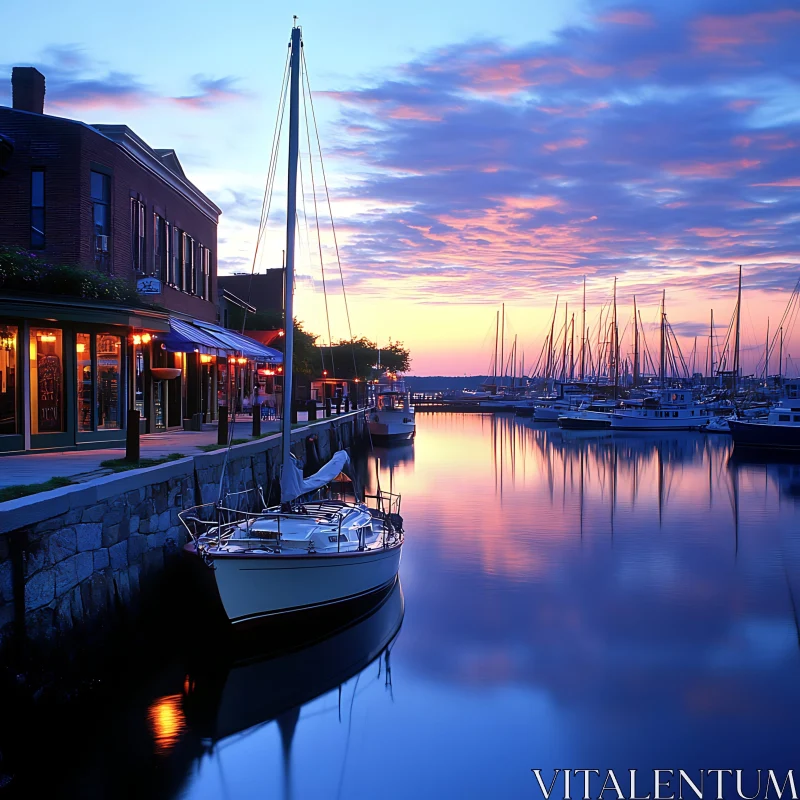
{"x": 233, "y": 701}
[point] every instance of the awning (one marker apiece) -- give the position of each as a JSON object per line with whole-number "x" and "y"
{"x": 237, "y": 343}
{"x": 183, "y": 337}
{"x": 204, "y": 337}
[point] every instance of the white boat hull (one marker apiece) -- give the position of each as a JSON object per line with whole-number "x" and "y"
{"x": 395, "y": 431}
{"x": 254, "y": 585}
{"x": 631, "y": 422}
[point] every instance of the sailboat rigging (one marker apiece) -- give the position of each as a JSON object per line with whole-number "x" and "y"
{"x": 305, "y": 553}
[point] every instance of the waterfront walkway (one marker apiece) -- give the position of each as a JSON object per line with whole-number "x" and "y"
{"x": 82, "y": 465}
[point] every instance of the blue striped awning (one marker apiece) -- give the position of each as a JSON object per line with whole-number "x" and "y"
{"x": 183, "y": 337}
{"x": 237, "y": 343}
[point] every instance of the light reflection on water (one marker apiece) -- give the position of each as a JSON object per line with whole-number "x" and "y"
{"x": 572, "y": 600}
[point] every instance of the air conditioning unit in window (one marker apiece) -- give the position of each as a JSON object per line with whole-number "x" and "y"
{"x": 101, "y": 244}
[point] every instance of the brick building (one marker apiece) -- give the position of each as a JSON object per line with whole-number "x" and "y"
{"x": 99, "y": 197}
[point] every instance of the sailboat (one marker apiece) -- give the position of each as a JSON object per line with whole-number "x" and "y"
{"x": 307, "y": 553}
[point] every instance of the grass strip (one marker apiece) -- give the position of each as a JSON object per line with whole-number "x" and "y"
{"x": 121, "y": 465}
{"x": 25, "y": 489}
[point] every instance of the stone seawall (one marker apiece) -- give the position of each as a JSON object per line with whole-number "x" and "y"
{"x": 74, "y": 557}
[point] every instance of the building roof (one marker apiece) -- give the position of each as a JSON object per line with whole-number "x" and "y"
{"x": 163, "y": 163}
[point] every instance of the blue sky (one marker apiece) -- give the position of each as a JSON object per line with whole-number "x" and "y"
{"x": 476, "y": 155}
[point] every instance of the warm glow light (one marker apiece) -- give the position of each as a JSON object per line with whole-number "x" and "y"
{"x": 47, "y": 337}
{"x": 146, "y": 338}
{"x": 137, "y": 339}
{"x": 167, "y": 722}
{"x": 204, "y": 359}
{"x": 325, "y": 372}
{"x": 281, "y": 333}
{"x": 80, "y": 347}
{"x": 242, "y": 360}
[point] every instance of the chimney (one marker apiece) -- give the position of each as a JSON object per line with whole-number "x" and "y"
{"x": 27, "y": 89}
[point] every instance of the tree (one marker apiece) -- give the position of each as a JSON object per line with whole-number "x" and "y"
{"x": 359, "y": 358}
{"x": 306, "y": 356}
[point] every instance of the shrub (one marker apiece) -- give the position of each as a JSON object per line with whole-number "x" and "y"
{"x": 22, "y": 271}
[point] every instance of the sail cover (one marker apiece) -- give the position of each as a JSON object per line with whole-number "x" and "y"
{"x": 293, "y": 484}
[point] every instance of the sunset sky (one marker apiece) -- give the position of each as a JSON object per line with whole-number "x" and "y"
{"x": 476, "y": 154}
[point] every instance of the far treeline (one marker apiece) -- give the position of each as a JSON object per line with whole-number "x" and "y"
{"x": 345, "y": 359}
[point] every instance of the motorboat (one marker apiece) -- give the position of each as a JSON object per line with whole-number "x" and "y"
{"x": 569, "y": 402}
{"x": 671, "y": 410}
{"x": 779, "y": 432}
{"x": 718, "y": 425}
{"x": 590, "y": 416}
{"x": 391, "y": 419}
{"x": 315, "y": 549}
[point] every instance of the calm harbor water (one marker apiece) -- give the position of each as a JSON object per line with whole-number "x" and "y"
{"x": 572, "y": 600}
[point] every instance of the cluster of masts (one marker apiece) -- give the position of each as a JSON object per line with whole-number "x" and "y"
{"x": 582, "y": 355}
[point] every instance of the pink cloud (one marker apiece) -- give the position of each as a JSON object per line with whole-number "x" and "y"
{"x": 410, "y": 112}
{"x": 726, "y": 34}
{"x": 565, "y": 144}
{"x": 639, "y": 19}
{"x": 786, "y": 182}
{"x": 743, "y": 104}
{"x": 710, "y": 169}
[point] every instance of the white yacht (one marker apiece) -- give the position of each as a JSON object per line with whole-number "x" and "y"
{"x": 309, "y": 552}
{"x": 672, "y": 410}
{"x": 589, "y": 416}
{"x": 569, "y": 402}
{"x": 391, "y": 419}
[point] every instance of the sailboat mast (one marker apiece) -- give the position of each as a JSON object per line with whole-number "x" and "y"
{"x": 564, "y": 346}
{"x": 291, "y": 214}
{"x": 551, "y": 347}
{"x": 572, "y": 348}
{"x": 635, "y": 346}
{"x": 583, "y": 328}
{"x": 615, "y": 342}
{"x": 738, "y": 331}
{"x": 661, "y": 368}
{"x": 780, "y": 358}
{"x": 766, "y": 354}
{"x": 711, "y": 347}
{"x": 496, "y": 335}
{"x": 502, "y": 342}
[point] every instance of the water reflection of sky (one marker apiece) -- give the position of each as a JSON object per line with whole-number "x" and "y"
{"x": 583, "y": 601}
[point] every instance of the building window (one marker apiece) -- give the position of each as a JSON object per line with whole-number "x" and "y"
{"x": 206, "y": 274}
{"x": 160, "y": 247}
{"x": 138, "y": 236}
{"x": 101, "y": 217}
{"x": 188, "y": 264}
{"x": 47, "y": 380}
{"x": 83, "y": 361}
{"x": 37, "y": 209}
{"x": 109, "y": 354}
{"x": 198, "y": 270}
{"x": 784, "y": 418}
{"x": 177, "y": 241}
{"x": 8, "y": 380}
{"x": 98, "y": 360}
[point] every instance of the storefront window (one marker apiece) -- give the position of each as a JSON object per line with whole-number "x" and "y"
{"x": 83, "y": 360}
{"x": 47, "y": 380}
{"x": 8, "y": 380}
{"x": 109, "y": 353}
{"x": 138, "y": 379}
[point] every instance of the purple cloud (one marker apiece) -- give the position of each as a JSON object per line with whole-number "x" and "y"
{"x": 654, "y": 144}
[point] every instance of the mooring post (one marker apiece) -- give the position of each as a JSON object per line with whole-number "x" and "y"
{"x": 311, "y": 408}
{"x": 132, "y": 443}
{"x": 257, "y": 419}
{"x": 328, "y": 410}
{"x": 222, "y": 425}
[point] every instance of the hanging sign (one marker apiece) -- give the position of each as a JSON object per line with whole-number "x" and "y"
{"x": 148, "y": 286}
